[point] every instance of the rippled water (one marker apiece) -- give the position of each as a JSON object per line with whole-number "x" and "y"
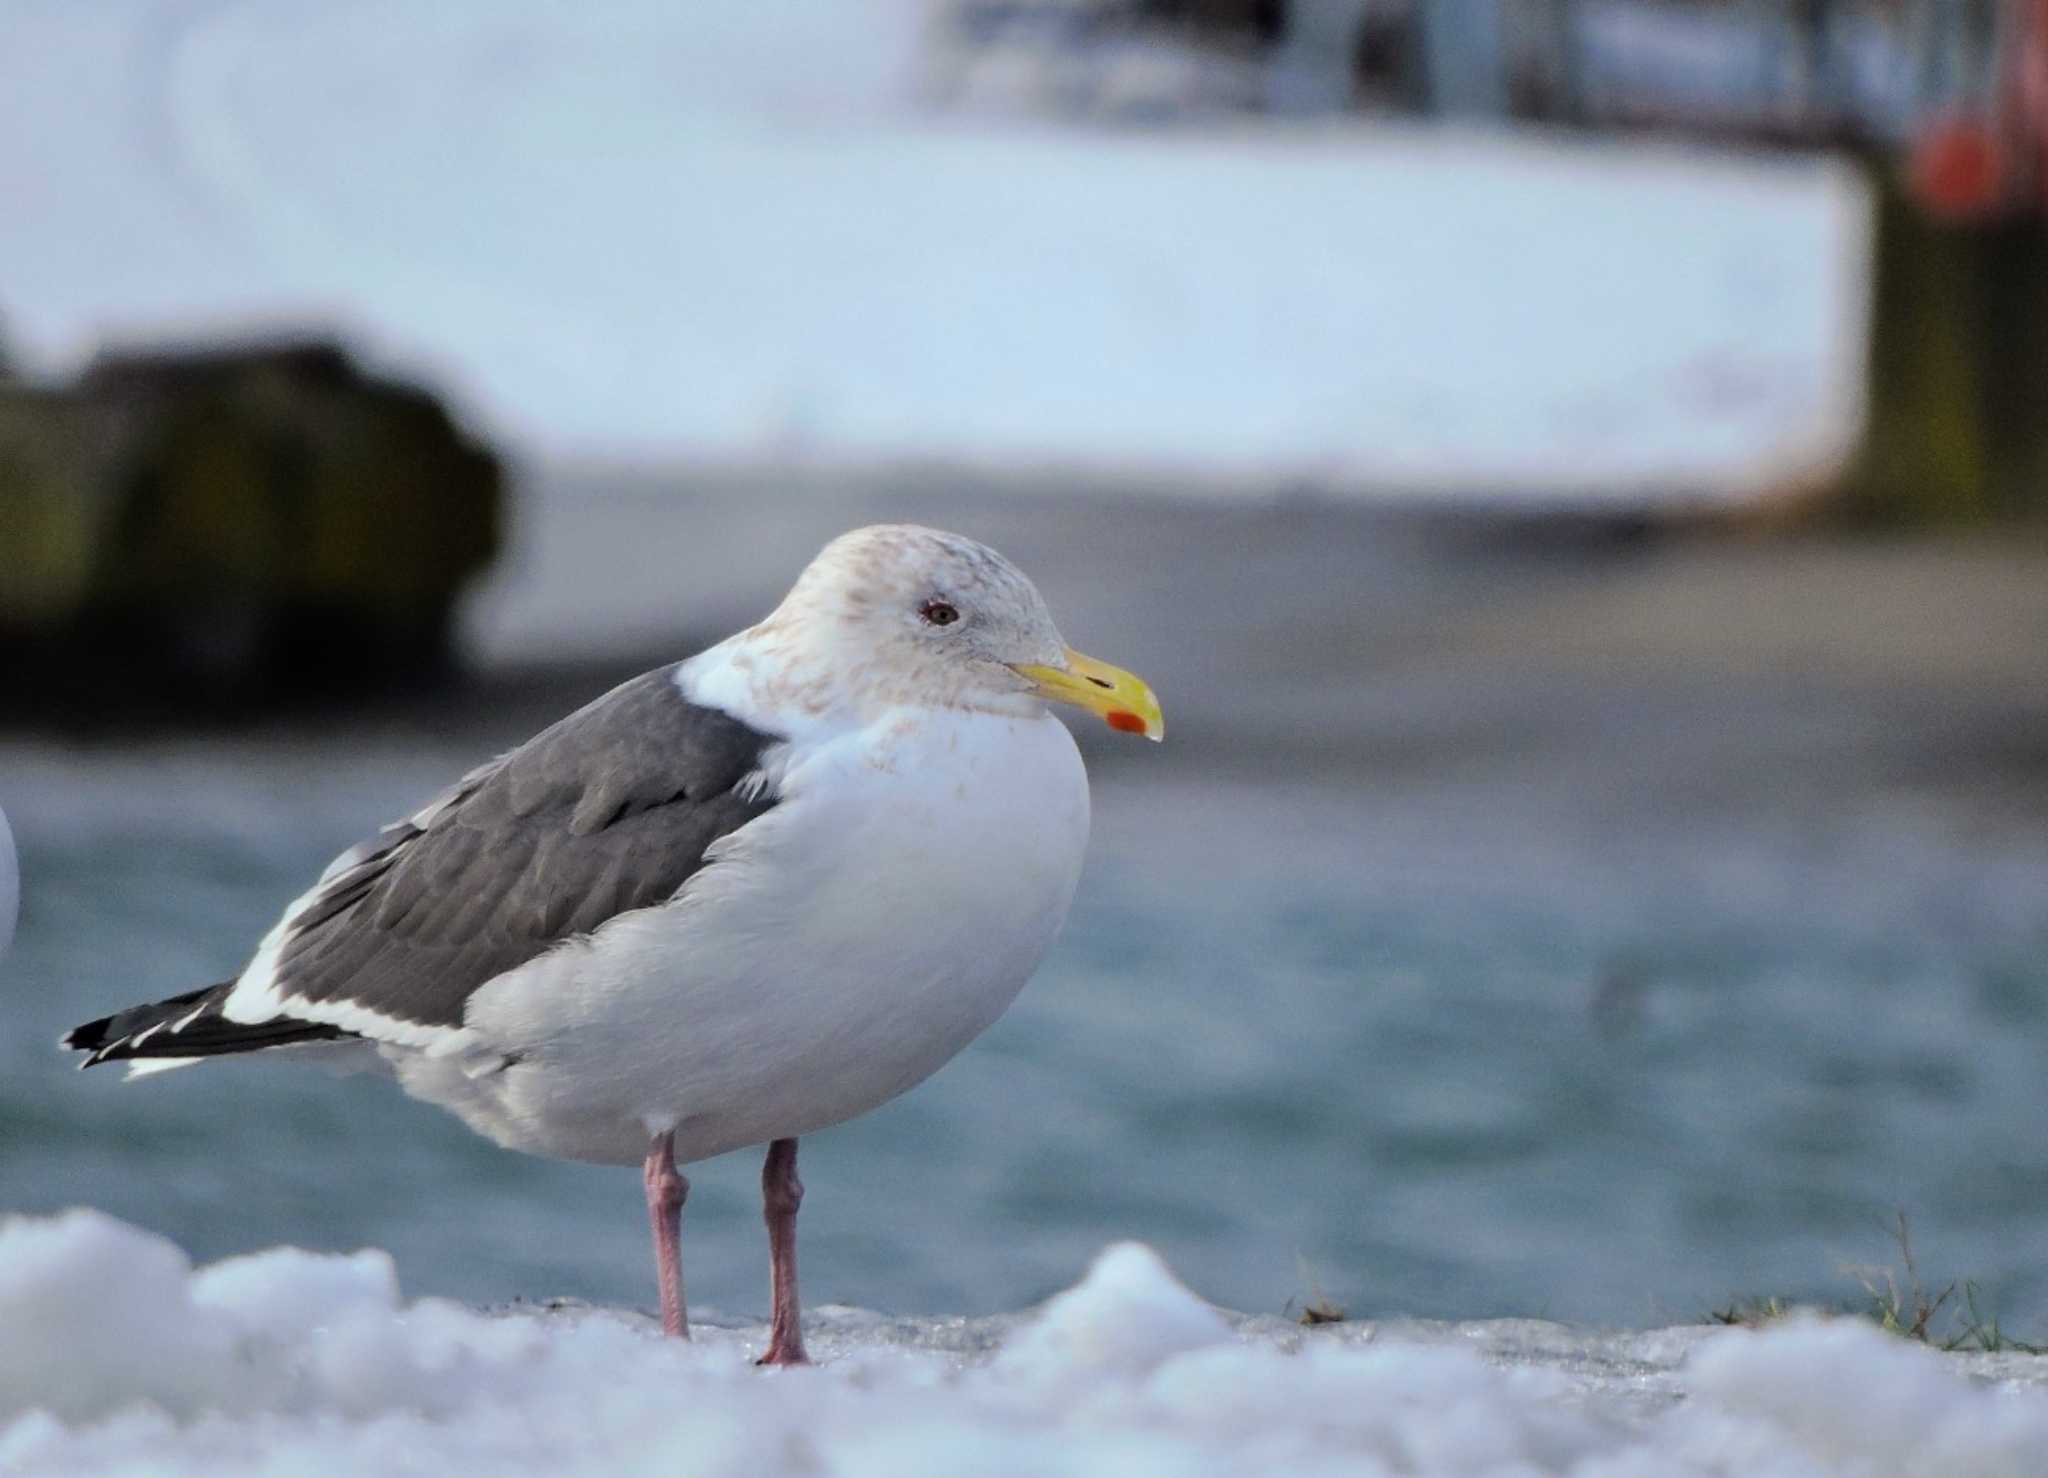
{"x": 1444, "y": 1048}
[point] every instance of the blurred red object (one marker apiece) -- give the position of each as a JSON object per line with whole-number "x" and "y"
{"x": 1968, "y": 168}
{"x": 1958, "y": 169}
{"x": 2030, "y": 96}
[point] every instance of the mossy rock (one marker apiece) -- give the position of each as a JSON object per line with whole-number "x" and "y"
{"x": 237, "y": 522}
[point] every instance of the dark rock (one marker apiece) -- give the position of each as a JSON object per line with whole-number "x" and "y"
{"x": 192, "y": 529}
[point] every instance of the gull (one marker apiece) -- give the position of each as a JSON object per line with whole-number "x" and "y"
{"x": 734, "y": 901}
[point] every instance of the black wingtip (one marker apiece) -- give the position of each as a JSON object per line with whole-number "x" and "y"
{"x": 104, "y": 1039}
{"x": 87, "y": 1038}
{"x": 94, "y": 1039}
{"x": 190, "y": 1025}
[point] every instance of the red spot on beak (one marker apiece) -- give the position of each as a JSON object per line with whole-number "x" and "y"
{"x": 1124, "y": 723}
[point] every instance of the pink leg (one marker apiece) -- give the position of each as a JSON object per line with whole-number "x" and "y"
{"x": 781, "y": 1194}
{"x": 666, "y": 1192}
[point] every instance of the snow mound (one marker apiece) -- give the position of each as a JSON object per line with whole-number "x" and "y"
{"x": 1128, "y": 1317}
{"x": 117, "y": 1355}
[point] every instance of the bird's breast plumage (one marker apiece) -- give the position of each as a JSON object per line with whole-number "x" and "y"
{"x": 834, "y": 952}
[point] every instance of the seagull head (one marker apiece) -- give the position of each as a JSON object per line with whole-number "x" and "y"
{"x": 908, "y": 614}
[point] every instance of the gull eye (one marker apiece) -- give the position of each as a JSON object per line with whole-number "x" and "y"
{"x": 936, "y": 612}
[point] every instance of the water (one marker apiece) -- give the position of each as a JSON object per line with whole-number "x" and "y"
{"x": 1450, "y": 1041}
{"x": 1605, "y": 932}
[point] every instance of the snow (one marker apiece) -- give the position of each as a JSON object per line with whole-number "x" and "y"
{"x": 746, "y": 235}
{"x": 116, "y": 1355}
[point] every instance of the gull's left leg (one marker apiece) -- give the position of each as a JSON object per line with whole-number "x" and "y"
{"x": 666, "y": 1192}
{"x": 781, "y": 1194}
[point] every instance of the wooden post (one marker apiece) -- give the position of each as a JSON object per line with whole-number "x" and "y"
{"x": 1959, "y": 367}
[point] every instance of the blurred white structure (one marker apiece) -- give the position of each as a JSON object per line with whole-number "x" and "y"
{"x": 746, "y": 234}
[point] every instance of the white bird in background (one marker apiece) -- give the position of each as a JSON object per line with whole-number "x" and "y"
{"x": 10, "y": 885}
{"x": 735, "y": 900}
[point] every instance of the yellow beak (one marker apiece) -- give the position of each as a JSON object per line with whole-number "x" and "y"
{"x": 1122, "y": 699}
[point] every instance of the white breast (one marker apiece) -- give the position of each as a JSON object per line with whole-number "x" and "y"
{"x": 838, "y": 950}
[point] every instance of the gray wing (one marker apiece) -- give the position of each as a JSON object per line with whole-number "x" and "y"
{"x": 608, "y": 811}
